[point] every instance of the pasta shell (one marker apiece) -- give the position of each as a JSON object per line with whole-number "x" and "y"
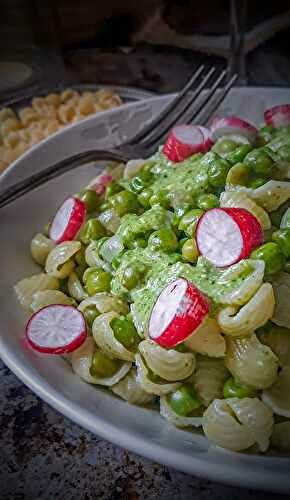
{"x": 235, "y": 199}
{"x": 104, "y": 302}
{"x": 251, "y": 316}
{"x": 105, "y": 339}
{"x": 58, "y": 262}
{"x": 278, "y": 339}
{"x": 277, "y": 396}
{"x": 168, "y": 364}
{"x": 249, "y": 286}
{"x": 130, "y": 390}
{"x": 270, "y": 195}
{"x": 251, "y": 362}
{"x": 167, "y": 412}
{"x": 81, "y": 360}
{"x": 75, "y": 288}
{"x": 148, "y": 385}
{"x": 26, "y": 288}
{"x": 40, "y": 247}
{"x": 47, "y": 297}
{"x": 209, "y": 378}
{"x": 207, "y": 339}
{"x": 281, "y": 286}
{"x": 281, "y": 436}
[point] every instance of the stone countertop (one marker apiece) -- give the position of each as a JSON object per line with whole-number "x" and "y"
{"x": 44, "y": 456}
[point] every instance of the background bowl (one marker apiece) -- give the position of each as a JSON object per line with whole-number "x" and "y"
{"x": 141, "y": 430}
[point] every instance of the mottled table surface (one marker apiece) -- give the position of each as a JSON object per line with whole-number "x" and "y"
{"x": 43, "y": 455}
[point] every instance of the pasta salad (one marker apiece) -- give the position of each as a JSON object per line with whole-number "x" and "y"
{"x": 167, "y": 280}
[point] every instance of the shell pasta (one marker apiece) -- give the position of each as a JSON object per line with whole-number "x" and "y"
{"x": 167, "y": 279}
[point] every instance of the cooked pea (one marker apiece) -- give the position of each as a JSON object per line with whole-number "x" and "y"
{"x": 97, "y": 281}
{"x": 124, "y": 202}
{"x": 259, "y": 162}
{"x": 217, "y": 172}
{"x": 282, "y": 238}
{"x": 189, "y": 221}
{"x": 138, "y": 243}
{"x": 266, "y": 135}
{"x": 271, "y": 255}
{"x": 112, "y": 188}
{"x": 184, "y": 400}
{"x": 190, "y": 251}
{"x": 92, "y": 230}
{"x": 224, "y": 146}
{"x": 125, "y": 331}
{"x": 90, "y": 313}
{"x": 160, "y": 198}
{"x": 164, "y": 240}
{"x": 256, "y": 183}
{"x": 90, "y": 199}
{"x": 102, "y": 366}
{"x": 238, "y": 154}
{"x": 238, "y": 174}
{"x": 233, "y": 389}
{"x": 140, "y": 181}
{"x": 133, "y": 274}
{"x": 144, "y": 197}
{"x": 207, "y": 201}
{"x": 104, "y": 206}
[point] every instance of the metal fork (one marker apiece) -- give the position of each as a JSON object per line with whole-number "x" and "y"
{"x": 183, "y": 107}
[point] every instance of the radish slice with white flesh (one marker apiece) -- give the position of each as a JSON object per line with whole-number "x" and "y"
{"x": 278, "y": 116}
{"x": 56, "y": 329}
{"x": 100, "y": 183}
{"x": 226, "y": 235}
{"x": 208, "y": 140}
{"x": 178, "y": 312}
{"x": 234, "y": 126}
{"x": 182, "y": 142}
{"x": 67, "y": 220}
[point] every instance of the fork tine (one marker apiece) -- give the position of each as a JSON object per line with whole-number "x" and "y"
{"x": 212, "y": 106}
{"x": 153, "y": 124}
{"x": 190, "y": 101}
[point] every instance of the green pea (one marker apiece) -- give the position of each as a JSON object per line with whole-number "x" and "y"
{"x": 233, "y": 389}
{"x": 92, "y": 230}
{"x": 260, "y": 162}
{"x": 256, "y": 183}
{"x": 133, "y": 274}
{"x": 144, "y": 197}
{"x": 184, "y": 400}
{"x": 80, "y": 257}
{"x": 271, "y": 255}
{"x": 238, "y": 174}
{"x": 282, "y": 238}
{"x": 104, "y": 206}
{"x": 124, "y": 202}
{"x": 207, "y": 201}
{"x": 125, "y": 331}
{"x": 97, "y": 281}
{"x": 90, "y": 313}
{"x": 163, "y": 240}
{"x": 90, "y": 199}
{"x": 102, "y": 366}
{"x": 174, "y": 257}
{"x": 160, "y": 198}
{"x": 224, "y": 146}
{"x": 112, "y": 188}
{"x": 189, "y": 221}
{"x": 138, "y": 243}
{"x": 217, "y": 172}
{"x": 265, "y": 135}
{"x": 238, "y": 154}
{"x": 190, "y": 251}
{"x": 140, "y": 181}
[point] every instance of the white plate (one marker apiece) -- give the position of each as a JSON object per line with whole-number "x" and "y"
{"x": 138, "y": 429}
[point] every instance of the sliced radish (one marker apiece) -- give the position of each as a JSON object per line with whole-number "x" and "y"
{"x": 67, "y": 220}
{"x": 56, "y": 329}
{"x": 208, "y": 140}
{"x": 226, "y": 235}
{"x": 182, "y": 142}
{"x": 178, "y": 311}
{"x": 278, "y": 116}
{"x": 232, "y": 125}
{"x": 100, "y": 183}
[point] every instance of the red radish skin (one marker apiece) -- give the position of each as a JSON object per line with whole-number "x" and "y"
{"x": 232, "y": 125}
{"x": 278, "y": 116}
{"x": 68, "y": 220}
{"x": 178, "y": 312}
{"x": 183, "y": 141}
{"x": 56, "y": 329}
{"x": 227, "y": 235}
{"x": 101, "y": 184}
{"x": 208, "y": 140}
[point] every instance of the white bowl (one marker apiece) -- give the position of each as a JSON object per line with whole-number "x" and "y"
{"x": 138, "y": 429}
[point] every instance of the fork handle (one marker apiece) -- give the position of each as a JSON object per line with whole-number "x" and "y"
{"x": 20, "y": 188}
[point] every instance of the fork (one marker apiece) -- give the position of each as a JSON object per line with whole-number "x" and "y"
{"x": 183, "y": 107}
